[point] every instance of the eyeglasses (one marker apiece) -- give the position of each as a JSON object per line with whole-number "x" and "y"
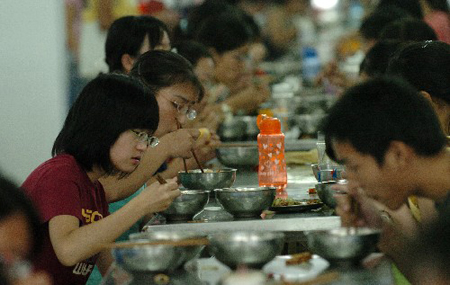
{"x": 184, "y": 109}
{"x": 151, "y": 141}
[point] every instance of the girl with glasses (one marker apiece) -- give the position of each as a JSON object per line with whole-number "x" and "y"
{"x": 106, "y": 132}
{"x": 172, "y": 79}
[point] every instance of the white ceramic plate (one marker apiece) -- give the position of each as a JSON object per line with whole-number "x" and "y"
{"x": 300, "y": 272}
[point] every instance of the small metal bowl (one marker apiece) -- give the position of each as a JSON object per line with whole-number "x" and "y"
{"x": 343, "y": 245}
{"x": 246, "y": 202}
{"x": 326, "y": 194}
{"x": 253, "y": 249}
{"x": 327, "y": 173}
{"x": 238, "y": 156}
{"x": 185, "y": 206}
{"x": 149, "y": 258}
{"x": 209, "y": 180}
{"x": 188, "y": 252}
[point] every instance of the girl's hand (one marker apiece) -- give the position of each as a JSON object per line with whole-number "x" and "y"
{"x": 160, "y": 196}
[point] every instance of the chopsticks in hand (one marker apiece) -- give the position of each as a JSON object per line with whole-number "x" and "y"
{"x": 160, "y": 179}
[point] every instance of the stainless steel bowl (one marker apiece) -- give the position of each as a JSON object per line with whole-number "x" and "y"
{"x": 245, "y": 202}
{"x": 189, "y": 252}
{"x": 185, "y": 206}
{"x": 253, "y": 249}
{"x": 326, "y": 194}
{"x": 211, "y": 179}
{"x": 238, "y": 156}
{"x": 343, "y": 244}
{"x": 232, "y": 129}
{"x": 327, "y": 173}
{"x": 162, "y": 258}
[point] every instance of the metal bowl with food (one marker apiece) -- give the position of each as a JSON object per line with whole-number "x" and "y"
{"x": 209, "y": 180}
{"x": 247, "y": 201}
{"x": 185, "y": 206}
{"x": 189, "y": 252}
{"x": 250, "y": 248}
{"x": 239, "y": 156}
{"x": 348, "y": 245}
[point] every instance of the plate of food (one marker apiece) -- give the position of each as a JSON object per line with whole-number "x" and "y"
{"x": 298, "y": 267}
{"x": 290, "y": 205}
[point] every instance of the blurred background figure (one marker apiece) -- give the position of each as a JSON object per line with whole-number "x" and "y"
{"x": 129, "y": 37}
{"x": 74, "y": 10}
{"x": 20, "y": 238}
{"x": 437, "y": 16}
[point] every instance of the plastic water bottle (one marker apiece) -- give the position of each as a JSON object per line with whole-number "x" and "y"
{"x": 310, "y": 65}
{"x": 272, "y": 163}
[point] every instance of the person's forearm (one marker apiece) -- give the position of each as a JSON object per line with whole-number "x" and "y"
{"x": 105, "y": 13}
{"x": 120, "y": 188}
{"x": 88, "y": 240}
{"x": 247, "y": 100}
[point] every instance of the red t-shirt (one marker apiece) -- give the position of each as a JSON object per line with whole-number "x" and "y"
{"x": 57, "y": 187}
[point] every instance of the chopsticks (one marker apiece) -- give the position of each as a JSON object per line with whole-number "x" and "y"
{"x": 160, "y": 179}
{"x": 193, "y": 153}
{"x": 185, "y": 242}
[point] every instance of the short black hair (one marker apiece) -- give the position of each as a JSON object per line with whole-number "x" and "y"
{"x": 425, "y": 65}
{"x": 374, "y": 113}
{"x": 159, "y": 69}
{"x": 376, "y": 61}
{"x": 108, "y": 106}
{"x": 14, "y": 201}
{"x": 408, "y": 29}
{"x": 225, "y": 32}
{"x": 192, "y": 51}
{"x": 372, "y": 25}
{"x": 126, "y": 35}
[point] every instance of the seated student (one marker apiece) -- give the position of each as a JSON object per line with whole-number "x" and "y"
{"x": 376, "y": 61}
{"x": 107, "y": 131}
{"x": 172, "y": 78}
{"x": 202, "y": 61}
{"x": 129, "y": 37}
{"x": 228, "y": 37}
{"x": 425, "y": 66}
{"x": 20, "y": 238}
{"x": 389, "y": 139}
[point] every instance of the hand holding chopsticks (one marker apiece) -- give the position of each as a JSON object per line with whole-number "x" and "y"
{"x": 193, "y": 154}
